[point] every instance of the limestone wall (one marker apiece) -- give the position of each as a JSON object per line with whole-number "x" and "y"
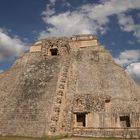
{"x": 83, "y": 37}
{"x": 46, "y": 93}
{"x": 35, "y": 48}
{"x": 97, "y": 88}
{"x": 78, "y": 41}
{"x": 27, "y": 99}
{"x": 83, "y": 43}
{"x": 108, "y": 132}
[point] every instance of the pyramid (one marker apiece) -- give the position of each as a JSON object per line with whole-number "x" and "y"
{"x": 68, "y": 85}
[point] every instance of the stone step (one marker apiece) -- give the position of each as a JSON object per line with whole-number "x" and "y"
{"x": 61, "y": 86}
{"x": 56, "y": 109}
{"x": 59, "y": 96}
{"x": 54, "y": 118}
{"x": 60, "y": 92}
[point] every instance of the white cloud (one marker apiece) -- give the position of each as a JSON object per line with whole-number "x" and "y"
{"x": 66, "y": 3}
{"x": 127, "y": 57}
{"x": 67, "y": 24}
{"x": 130, "y": 42}
{"x": 131, "y": 59}
{"x": 134, "y": 71}
{"x": 1, "y": 71}
{"x": 52, "y": 2}
{"x": 88, "y": 18}
{"x": 127, "y": 24}
{"x": 10, "y": 47}
{"x": 109, "y": 8}
{"x": 49, "y": 11}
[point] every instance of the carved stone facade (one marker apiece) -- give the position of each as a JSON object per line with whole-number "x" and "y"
{"x": 68, "y": 86}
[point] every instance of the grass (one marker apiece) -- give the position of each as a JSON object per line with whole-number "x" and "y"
{"x": 59, "y": 138}
{"x": 18, "y": 138}
{"x": 88, "y": 138}
{"x": 30, "y": 138}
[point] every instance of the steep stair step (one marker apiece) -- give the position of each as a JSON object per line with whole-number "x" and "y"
{"x": 59, "y": 96}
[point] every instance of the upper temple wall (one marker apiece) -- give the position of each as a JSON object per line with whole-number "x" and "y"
{"x": 36, "y": 47}
{"x": 83, "y": 41}
{"x": 77, "y": 41}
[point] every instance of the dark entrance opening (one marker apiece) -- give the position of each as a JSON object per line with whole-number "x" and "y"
{"x": 54, "y": 51}
{"x": 125, "y": 121}
{"x": 107, "y": 101}
{"x": 81, "y": 119}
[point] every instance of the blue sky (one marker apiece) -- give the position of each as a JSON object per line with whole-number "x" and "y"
{"x": 115, "y": 22}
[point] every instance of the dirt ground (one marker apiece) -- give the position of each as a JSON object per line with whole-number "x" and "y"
{"x": 71, "y": 138}
{"x": 79, "y": 138}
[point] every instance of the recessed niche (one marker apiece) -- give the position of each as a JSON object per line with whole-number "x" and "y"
{"x": 54, "y": 51}
{"x": 81, "y": 120}
{"x": 124, "y": 121}
{"x": 107, "y": 101}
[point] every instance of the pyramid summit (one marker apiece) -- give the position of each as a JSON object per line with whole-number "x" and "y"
{"x": 68, "y": 85}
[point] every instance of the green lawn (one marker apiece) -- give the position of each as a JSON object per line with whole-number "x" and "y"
{"x": 81, "y": 138}
{"x": 18, "y": 138}
{"x": 71, "y": 138}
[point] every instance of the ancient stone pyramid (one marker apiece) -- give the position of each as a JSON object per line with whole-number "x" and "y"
{"x": 68, "y": 86}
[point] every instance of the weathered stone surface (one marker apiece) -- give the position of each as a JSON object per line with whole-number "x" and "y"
{"x": 68, "y": 85}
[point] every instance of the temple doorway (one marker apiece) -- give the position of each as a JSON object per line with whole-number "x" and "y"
{"x": 81, "y": 119}
{"x": 124, "y": 121}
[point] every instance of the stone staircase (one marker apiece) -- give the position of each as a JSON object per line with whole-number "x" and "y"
{"x": 61, "y": 86}
{"x": 44, "y": 52}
